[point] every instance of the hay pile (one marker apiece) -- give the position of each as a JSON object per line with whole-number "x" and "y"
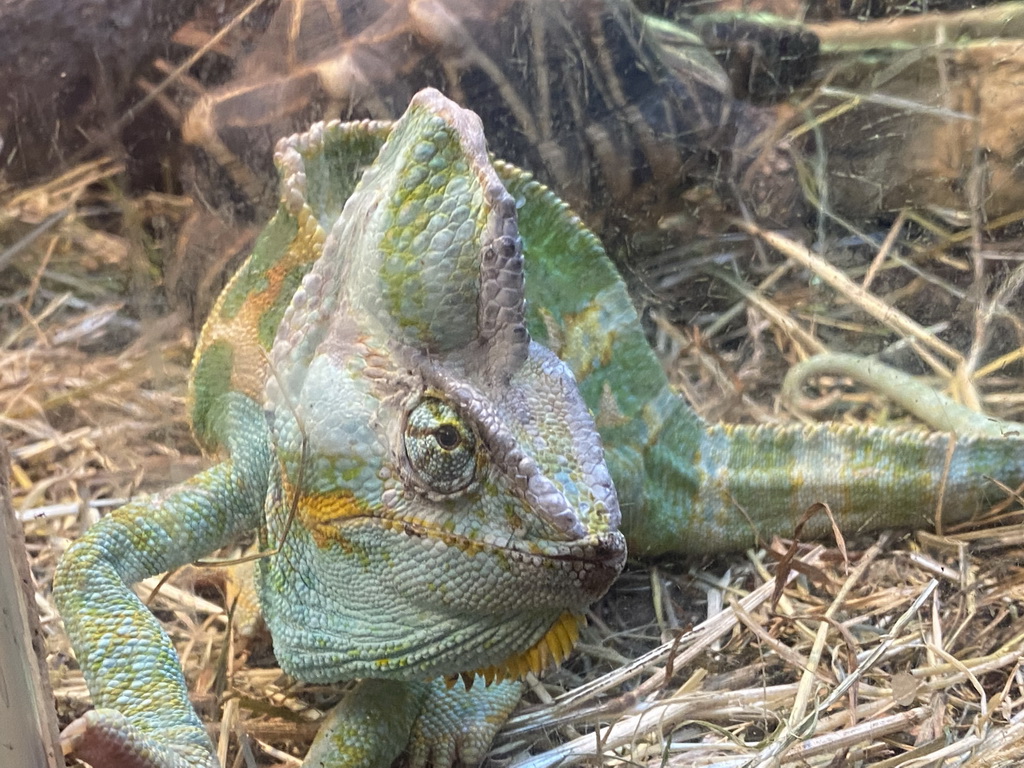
{"x": 888, "y": 650}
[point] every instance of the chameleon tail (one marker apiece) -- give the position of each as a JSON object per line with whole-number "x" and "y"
{"x": 748, "y": 483}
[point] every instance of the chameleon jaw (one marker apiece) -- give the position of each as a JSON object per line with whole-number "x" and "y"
{"x": 550, "y": 651}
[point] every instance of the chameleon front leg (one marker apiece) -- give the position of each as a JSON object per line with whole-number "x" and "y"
{"x": 143, "y": 717}
{"x": 424, "y": 723}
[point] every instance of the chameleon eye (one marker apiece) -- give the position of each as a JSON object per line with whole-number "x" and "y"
{"x": 448, "y": 437}
{"x": 440, "y": 445}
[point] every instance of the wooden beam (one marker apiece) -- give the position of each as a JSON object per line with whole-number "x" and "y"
{"x": 28, "y": 722}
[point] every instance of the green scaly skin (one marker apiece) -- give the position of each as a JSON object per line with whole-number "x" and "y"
{"x": 369, "y": 373}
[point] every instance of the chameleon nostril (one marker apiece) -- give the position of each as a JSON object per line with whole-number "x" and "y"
{"x": 611, "y": 546}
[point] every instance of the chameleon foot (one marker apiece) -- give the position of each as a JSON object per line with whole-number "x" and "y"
{"x": 425, "y": 723}
{"x": 457, "y": 726}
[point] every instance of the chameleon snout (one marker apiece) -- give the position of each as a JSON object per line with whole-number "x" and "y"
{"x": 602, "y": 565}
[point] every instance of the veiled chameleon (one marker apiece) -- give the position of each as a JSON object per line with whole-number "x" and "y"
{"x": 428, "y": 484}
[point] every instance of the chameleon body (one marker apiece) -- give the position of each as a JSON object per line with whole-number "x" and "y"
{"x": 425, "y": 474}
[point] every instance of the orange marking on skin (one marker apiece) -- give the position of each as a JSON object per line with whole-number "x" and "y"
{"x": 249, "y": 362}
{"x": 323, "y": 514}
{"x": 551, "y": 650}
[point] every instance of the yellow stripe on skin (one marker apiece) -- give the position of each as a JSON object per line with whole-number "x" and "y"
{"x": 322, "y": 513}
{"x": 550, "y": 651}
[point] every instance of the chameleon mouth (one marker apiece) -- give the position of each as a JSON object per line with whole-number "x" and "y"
{"x": 551, "y": 650}
{"x": 606, "y": 549}
{"x": 327, "y": 516}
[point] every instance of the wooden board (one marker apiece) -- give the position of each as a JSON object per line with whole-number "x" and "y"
{"x": 28, "y": 722}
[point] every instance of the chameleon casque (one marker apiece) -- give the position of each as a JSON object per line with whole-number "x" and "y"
{"x": 432, "y": 493}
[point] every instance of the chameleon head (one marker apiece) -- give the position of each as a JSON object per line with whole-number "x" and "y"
{"x": 451, "y": 509}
